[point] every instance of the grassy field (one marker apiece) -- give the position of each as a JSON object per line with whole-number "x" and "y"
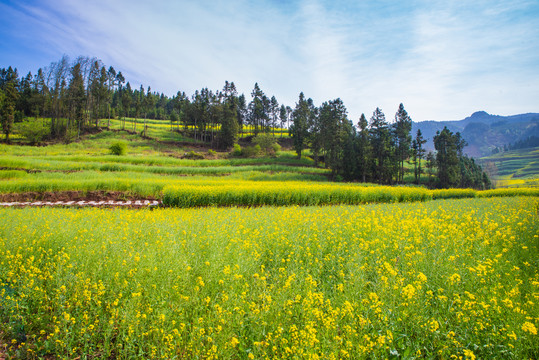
{"x": 145, "y": 170}
{"x": 162, "y": 171}
{"x": 164, "y": 130}
{"x": 425, "y": 280}
{"x": 453, "y": 274}
{"x": 515, "y": 168}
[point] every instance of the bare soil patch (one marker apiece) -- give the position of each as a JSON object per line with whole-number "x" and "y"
{"x": 72, "y": 196}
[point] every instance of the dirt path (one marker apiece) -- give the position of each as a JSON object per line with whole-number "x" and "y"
{"x": 82, "y": 203}
{"x": 77, "y": 199}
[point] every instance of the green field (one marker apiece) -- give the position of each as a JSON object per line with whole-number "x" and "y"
{"x": 160, "y": 170}
{"x": 268, "y": 259}
{"x": 164, "y": 130}
{"x": 145, "y": 170}
{"x": 515, "y": 168}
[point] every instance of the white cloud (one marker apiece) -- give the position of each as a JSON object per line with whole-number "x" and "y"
{"x": 442, "y": 59}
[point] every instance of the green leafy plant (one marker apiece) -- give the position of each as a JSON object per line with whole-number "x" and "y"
{"x": 251, "y": 151}
{"x": 118, "y": 148}
{"x": 236, "y": 151}
{"x": 266, "y": 142}
{"x": 193, "y": 155}
{"x": 33, "y": 131}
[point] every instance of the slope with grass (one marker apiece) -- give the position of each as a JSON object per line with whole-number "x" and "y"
{"x": 148, "y": 166}
{"x": 150, "y": 170}
{"x": 513, "y": 168}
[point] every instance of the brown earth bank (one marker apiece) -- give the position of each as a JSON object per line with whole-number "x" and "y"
{"x": 72, "y": 196}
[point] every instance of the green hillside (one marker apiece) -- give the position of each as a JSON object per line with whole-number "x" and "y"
{"x": 513, "y": 168}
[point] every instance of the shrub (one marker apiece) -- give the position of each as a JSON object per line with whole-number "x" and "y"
{"x": 212, "y": 152}
{"x": 276, "y": 148}
{"x": 236, "y": 151}
{"x": 193, "y": 155}
{"x": 118, "y": 148}
{"x": 251, "y": 151}
{"x": 266, "y": 143}
{"x": 33, "y": 131}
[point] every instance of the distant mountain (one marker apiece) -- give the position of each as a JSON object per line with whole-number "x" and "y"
{"x": 483, "y": 131}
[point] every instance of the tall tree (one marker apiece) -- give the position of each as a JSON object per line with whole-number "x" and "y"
{"x": 257, "y": 110}
{"x": 283, "y": 117}
{"x": 98, "y": 90}
{"x": 111, "y": 83}
{"x": 335, "y": 130}
{"x": 401, "y": 129}
{"x": 77, "y": 98}
{"x": 274, "y": 113}
{"x": 242, "y": 112}
{"x": 419, "y": 153}
{"x": 127, "y": 99}
{"x": 148, "y": 105}
{"x": 10, "y": 96}
{"x": 138, "y": 101}
{"x": 299, "y": 129}
{"x": 381, "y": 146}
{"x": 58, "y": 74}
{"x": 363, "y": 148}
{"x": 39, "y": 94}
{"x": 229, "y": 117}
{"x": 447, "y": 160}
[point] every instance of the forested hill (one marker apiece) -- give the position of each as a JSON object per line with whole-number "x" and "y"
{"x": 484, "y": 131}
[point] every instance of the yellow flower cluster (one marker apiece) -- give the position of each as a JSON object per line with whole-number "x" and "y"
{"x": 438, "y": 279}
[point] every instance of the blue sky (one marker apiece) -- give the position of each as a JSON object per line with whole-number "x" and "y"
{"x": 442, "y": 59}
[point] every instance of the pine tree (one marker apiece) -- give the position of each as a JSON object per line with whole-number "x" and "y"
{"x": 274, "y": 113}
{"x": 447, "y": 160}
{"x": 335, "y": 131}
{"x": 282, "y": 117}
{"x": 381, "y": 146}
{"x": 77, "y": 97}
{"x": 242, "y": 113}
{"x": 403, "y": 139}
{"x": 299, "y": 129}
{"x": 419, "y": 153}
{"x": 7, "y": 110}
{"x": 127, "y": 98}
{"x": 229, "y": 117}
{"x": 257, "y": 109}
{"x": 363, "y": 148}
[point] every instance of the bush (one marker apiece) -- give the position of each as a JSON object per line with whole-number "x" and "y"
{"x": 212, "y": 152}
{"x": 236, "y": 151}
{"x": 251, "y": 151}
{"x": 266, "y": 143}
{"x": 33, "y": 131}
{"x": 118, "y": 148}
{"x": 276, "y": 148}
{"x": 193, "y": 155}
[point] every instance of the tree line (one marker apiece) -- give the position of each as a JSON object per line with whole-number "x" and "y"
{"x": 376, "y": 150}
{"x": 75, "y": 95}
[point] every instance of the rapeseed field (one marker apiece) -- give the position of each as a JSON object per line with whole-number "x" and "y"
{"x": 440, "y": 279}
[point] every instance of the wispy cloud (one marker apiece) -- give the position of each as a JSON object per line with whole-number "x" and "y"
{"x": 442, "y": 59}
